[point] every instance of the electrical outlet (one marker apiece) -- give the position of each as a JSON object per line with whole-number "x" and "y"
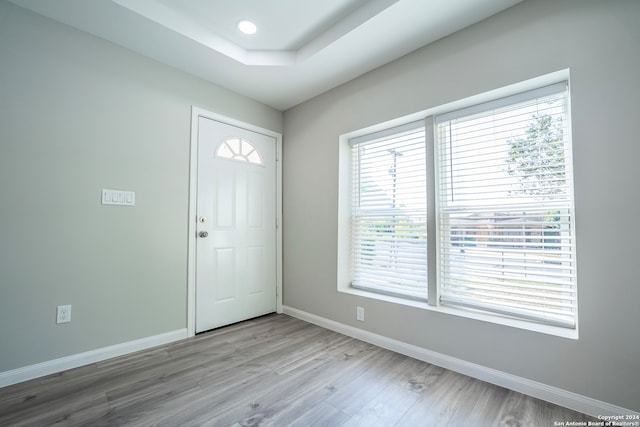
{"x": 360, "y": 313}
{"x": 63, "y": 314}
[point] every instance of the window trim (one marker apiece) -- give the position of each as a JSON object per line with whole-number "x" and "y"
{"x": 344, "y": 208}
{"x": 504, "y": 101}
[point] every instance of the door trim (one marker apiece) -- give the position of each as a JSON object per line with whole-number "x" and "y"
{"x": 196, "y": 113}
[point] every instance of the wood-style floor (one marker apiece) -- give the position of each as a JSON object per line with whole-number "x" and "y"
{"x": 270, "y": 371}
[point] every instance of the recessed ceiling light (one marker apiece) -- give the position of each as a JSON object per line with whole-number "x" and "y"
{"x": 247, "y": 27}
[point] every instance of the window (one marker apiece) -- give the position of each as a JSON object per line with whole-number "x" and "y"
{"x": 239, "y": 149}
{"x": 505, "y": 197}
{"x": 472, "y": 208}
{"x": 389, "y": 252}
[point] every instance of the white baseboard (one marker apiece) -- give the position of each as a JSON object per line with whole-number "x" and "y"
{"x": 76, "y": 360}
{"x": 535, "y": 389}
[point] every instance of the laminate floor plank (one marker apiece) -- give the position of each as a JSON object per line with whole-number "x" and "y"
{"x": 419, "y": 376}
{"x": 320, "y": 415}
{"x": 264, "y": 399}
{"x": 272, "y": 371}
{"x": 75, "y": 411}
{"x": 252, "y": 398}
{"x": 462, "y": 412}
{"x": 148, "y": 405}
{"x": 285, "y": 405}
{"x": 518, "y": 410}
{"x": 385, "y": 409}
{"x": 221, "y": 406}
{"x": 387, "y": 369}
{"x": 54, "y": 392}
{"x": 437, "y": 405}
{"x": 486, "y": 405}
{"x": 284, "y": 399}
{"x": 357, "y": 388}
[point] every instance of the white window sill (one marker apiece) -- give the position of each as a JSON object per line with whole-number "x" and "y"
{"x": 467, "y": 313}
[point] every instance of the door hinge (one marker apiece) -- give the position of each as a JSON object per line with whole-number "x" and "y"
{"x": 277, "y": 224}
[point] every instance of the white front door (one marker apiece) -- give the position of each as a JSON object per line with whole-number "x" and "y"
{"x": 236, "y": 225}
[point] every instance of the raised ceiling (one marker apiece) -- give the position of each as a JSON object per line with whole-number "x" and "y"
{"x": 301, "y": 49}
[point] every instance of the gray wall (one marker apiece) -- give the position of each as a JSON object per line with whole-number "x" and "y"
{"x": 78, "y": 114}
{"x": 600, "y": 42}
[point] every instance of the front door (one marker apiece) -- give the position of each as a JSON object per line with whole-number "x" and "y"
{"x": 236, "y": 225}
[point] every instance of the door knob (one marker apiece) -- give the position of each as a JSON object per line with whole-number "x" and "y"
{"x": 203, "y": 234}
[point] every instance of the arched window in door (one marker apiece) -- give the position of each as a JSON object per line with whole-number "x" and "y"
{"x": 236, "y": 148}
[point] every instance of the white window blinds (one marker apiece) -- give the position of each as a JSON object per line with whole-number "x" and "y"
{"x": 389, "y": 252}
{"x": 505, "y": 197}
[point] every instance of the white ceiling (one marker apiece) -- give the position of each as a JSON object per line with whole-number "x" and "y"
{"x": 302, "y": 47}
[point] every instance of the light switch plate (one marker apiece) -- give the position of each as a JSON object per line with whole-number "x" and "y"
{"x": 118, "y": 197}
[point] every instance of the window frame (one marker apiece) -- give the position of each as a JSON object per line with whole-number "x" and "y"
{"x": 344, "y": 209}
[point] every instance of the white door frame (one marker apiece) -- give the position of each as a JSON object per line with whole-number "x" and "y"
{"x": 196, "y": 113}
